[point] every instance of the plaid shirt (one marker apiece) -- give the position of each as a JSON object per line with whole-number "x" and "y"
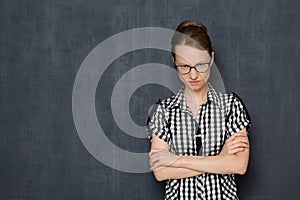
{"x": 218, "y": 119}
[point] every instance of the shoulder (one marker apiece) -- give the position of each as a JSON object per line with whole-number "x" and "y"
{"x": 229, "y": 98}
{"x": 235, "y": 106}
{"x": 229, "y": 101}
{"x": 171, "y": 101}
{"x": 168, "y": 102}
{"x": 223, "y": 100}
{"x": 161, "y": 107}
{"x": 234, "y": 100}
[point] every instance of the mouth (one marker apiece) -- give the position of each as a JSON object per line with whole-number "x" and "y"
{"x": 194, "y": 82}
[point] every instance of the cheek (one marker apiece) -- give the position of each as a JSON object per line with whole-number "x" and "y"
{"x": 205, "y": 76}
{"x": 181, "y": 77}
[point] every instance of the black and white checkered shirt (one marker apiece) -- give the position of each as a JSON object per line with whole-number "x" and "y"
{"x": 220, "y": 117}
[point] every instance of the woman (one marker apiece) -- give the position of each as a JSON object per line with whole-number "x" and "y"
{"x": 198, "y": 136}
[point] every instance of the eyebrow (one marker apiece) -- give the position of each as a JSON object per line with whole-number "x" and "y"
{"x": 194, "y": 65}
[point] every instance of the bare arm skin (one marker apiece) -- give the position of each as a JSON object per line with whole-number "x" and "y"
{"x": 168, "y": 172}
{"x": 233, "y": 159}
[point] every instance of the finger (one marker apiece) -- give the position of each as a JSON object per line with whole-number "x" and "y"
{"x": 156, "y": 153}
{"x": 240, "y": 138}
{"x": 238, "y": 141}
{"x": 158, "y": 156}
{"x": 152, "y": 161}
{"x": 236, "y": 150}
{"x": 151, "y": 153}
{"x": 154, "y": 158}
{"x": 240, "y": 134}
{"x": 236, "y": 135}
{"x": 155, "y": 166}
{"x": 153, "y": 150}
{"x": 239, "y": 145}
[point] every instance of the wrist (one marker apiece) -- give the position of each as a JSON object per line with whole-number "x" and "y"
{"x": 178, "y": 163}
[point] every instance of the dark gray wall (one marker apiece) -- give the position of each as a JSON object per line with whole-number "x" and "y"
{"x": 43, "y": 43}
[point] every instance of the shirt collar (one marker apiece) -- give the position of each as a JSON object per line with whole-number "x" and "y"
{"x": 212, "y": 97}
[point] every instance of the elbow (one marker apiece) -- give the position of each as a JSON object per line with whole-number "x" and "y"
{"x": 242, "y": 171}
{"x": 241, "y": 167}
{"x": 159, "y": 175}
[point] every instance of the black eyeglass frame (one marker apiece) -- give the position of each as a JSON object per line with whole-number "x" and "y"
{"x": 190, "y": 68}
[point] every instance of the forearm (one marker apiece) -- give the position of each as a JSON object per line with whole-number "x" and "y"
{"x": 164, "y": 173}
{"x": 221, "y": 164}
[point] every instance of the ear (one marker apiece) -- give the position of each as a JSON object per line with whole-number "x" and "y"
{"x": 212, "y": 57}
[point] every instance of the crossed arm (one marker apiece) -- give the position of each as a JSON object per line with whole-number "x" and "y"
{"x": 233, "y": 159}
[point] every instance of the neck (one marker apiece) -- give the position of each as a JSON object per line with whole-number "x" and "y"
{"x": 198, "y": 97}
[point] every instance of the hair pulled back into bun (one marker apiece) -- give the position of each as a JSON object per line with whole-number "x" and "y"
{"x": 192, "y": 33}
{"x": 188, "y": 23}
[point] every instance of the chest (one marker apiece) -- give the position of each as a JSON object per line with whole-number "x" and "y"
{"x": 204, "y": 134}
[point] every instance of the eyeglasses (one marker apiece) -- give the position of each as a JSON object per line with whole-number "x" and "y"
{"x": 200, "y": 67}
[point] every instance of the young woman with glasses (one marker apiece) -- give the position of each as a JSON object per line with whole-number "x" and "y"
{"x": 199, "y": 137}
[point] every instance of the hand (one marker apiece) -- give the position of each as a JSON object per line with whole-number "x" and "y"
{"x": 162, "y": 158}
{"x": 237, "y": 143}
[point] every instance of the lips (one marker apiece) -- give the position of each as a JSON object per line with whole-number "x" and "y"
{"x": 194, "y": 82}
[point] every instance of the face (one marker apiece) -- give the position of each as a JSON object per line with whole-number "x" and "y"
{"x": 191, "y": 56}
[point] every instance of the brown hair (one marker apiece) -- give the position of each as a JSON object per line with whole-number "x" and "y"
{"x": 193, "y": 34}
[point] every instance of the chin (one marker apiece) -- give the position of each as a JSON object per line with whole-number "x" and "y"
{"x": 196, "y": 88}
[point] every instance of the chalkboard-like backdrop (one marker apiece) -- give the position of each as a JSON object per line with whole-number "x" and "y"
{"x": 42, "y": 45}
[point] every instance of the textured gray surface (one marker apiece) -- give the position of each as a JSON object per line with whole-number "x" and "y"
{"x": 43, "y": 43}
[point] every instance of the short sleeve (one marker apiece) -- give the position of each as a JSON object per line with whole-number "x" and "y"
{"x": 157, "y": 123}
{"x": 238, "y": 116}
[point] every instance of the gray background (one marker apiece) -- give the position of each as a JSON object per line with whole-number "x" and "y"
{"x": 43, "y": 43}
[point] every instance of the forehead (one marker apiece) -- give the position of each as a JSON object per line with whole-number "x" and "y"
{"x": 190, "y": 55}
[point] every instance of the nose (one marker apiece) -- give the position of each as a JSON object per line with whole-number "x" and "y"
{"x": 193, "y": 74}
